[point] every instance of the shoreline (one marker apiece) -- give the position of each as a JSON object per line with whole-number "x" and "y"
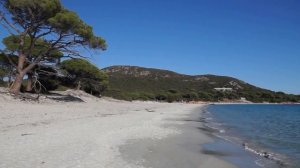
{"x": 216, "y": 103}
{"x": 232, "y": 152}
{"x": 101, "y": 133}
{"x": 263, "y": 156}
{"x": 180, "y": 150}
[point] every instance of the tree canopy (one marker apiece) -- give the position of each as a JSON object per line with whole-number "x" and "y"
{"x": 88, "y": 76}
{"x": 40, "y": 29}
{"x": 12, "y": 44}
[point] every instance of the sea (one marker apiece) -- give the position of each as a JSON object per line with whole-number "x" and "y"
{"x": 268, "y": 133}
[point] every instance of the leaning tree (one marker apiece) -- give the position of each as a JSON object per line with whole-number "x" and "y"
{"x": 11, "y": 49}
{"x": 44, "y": 24}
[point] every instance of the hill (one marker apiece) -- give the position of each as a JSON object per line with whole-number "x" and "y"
{"x": 139, "y": 83}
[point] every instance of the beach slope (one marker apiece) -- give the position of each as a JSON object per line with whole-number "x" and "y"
{"x": 103, "y": 133}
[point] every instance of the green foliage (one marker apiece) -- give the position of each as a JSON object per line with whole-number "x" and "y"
{"x": 43, "y": 30}
{"x": 4, "y": 61}
{"x": 205, "y": 96}
{"x": 39, "y": 10}
{"x": 49, "y": 83}
{"x": 5, "y": 67}
{"x": 3, "y": 84}
{"x": 88, "y": 76}
{"x": 65, "y": 21}
{"x": 80, "y": 67}
{"x": 39, "y": 15}
{"x": 129, "y": 96}
{"x": 40, "y": 18}
{"x": 161, "y": 96}
{"x": 128, "y": 83}
{"x": 190, "y": 96}
{"x": 12, "y": 44}
{"x": 2, "y": 73}
{"x": 61, "y": 88}
{"x": 173, "y": 97}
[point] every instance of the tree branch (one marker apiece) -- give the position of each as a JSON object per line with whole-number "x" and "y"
{"x": 8, "y": 23}
{"x": 10, "y": 61}
{"x": 44, "y": 34}
{"x": 8, "y": 58}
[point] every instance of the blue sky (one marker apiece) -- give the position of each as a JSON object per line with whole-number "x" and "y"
{"x": 257, "y": 41}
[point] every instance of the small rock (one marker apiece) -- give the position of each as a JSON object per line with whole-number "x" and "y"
{"x": 149, "y": 110}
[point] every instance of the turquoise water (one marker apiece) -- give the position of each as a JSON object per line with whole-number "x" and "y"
{"x": 269, "y": 130}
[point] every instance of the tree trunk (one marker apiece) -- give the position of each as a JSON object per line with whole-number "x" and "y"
{"x": 78, "y": 85}
{"x": 29, "y": 83}
{"x": 9, "y": 79}
{"x": 15, "y": 89}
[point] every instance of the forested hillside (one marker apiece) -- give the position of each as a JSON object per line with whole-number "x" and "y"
{"x": 132, "y": 83}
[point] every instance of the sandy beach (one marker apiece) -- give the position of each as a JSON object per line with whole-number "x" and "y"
{"x": 102, "y": 133}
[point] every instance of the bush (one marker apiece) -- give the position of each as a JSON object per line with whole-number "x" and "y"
{"x": 173, "y": 98}
{"x": 61, "y": 88}
{"x": 86, "y": 75}
{"x": 3, "y": 84}
{"x": 49, "y": 83}
{"x": 161, "y": 97}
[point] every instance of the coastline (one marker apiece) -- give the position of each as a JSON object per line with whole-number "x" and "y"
{"x": 262, "y": 155}
{"x": 102, "y": 133}
{"x": 233, "y": 152}
{"x": 180, "y": 150}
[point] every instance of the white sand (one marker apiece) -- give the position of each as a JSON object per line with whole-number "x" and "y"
{"x": 53, "y": 134}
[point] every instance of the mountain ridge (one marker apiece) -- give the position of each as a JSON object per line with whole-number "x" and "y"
{"x": 135, "y": 82}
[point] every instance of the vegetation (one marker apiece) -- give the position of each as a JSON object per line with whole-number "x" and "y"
{"x": 85, "y": 76}
{"x": 137, "y": 83}
{"x": 69, "y": 74}
{"x": 12, "y": 46}
{"x": 42, "y": 32}
{"x": 6, "y": 69}
{"x": 2, "y": 74}
{"x": 38, "y": 30}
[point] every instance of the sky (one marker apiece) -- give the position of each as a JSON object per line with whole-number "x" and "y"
{"x": 257, "y": 41}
